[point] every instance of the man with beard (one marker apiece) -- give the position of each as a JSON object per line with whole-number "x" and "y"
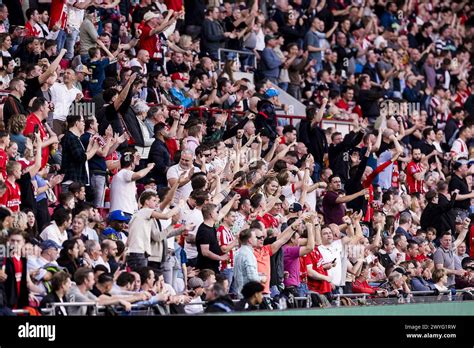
{"x": 416, "y": 172}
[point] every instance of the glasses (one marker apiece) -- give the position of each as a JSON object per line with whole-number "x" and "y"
{"x": 206, "y": 154}
{"x": 260, "y": 237}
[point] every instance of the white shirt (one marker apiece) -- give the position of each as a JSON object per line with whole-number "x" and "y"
{"x": 91, "y": 234}
{"x": 100, "y": 261}
{"x": 62, "y": 98}
{"x": 75, "y": 16}
{"x": 329, "y": 253}
{"x": 194, "y": 309}
{"x": 52, "y": 232}
{"x": 459, "y": 149}
{"x": 189, "y": 215}
{"x": 135, "y": 62}
{"x": 123, "y": 192}
{"x": 139, "y": 231}
{"x": 183, "y": 192}
{"x": 147, "y": 140}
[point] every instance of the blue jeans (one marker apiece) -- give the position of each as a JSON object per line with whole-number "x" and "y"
{"x": 61, "y": 39}
{"x": 136, "y": 261}
{"x": 317, "y": 172}
{"x": 71, "y": 39}
{"x": 303, "y": 289}
{"x": 229, "y": 274}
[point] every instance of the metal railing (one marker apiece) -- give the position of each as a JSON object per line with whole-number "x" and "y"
{"x": 238, "y": 54}
{"x": 300, "y": 302}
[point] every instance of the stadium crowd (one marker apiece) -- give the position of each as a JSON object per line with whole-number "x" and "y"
{"x": 141, "y": 164}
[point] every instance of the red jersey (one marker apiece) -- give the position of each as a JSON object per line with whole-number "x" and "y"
{"x": 225, "y": 237}
{"x": 149, "y": 43}
{"x": 58, "y": 13}
{"x": 315, "y": 259}
{"x": 31, "y": 30}
{"x": 268, "y": 220}
{"x": 175, "y": 5}
{"x": 413, "y": 184}
{"x": 31, "y": 121}
{"x": 12, "y": 196}
{"x": 3, "y": 163}
{"x": 359, "y": 287}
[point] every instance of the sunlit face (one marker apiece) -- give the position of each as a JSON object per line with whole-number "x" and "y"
{"x": 230, "y": 219}
{"x": 272, "y": 187}
{"x": 186, "y": 161}
{"x": 335, "y": 183}
{"x": 389, "y": 246}
{"x": 78, "y": 225}
{"x": 446, "y": 241}
{"x": 327, "y": 236}
{"x": 461, "y": 249}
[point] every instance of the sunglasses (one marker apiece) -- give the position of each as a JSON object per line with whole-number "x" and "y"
{"x": 260, "y": 238}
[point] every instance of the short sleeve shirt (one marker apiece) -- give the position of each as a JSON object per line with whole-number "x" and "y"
{"x": 291, "y": 255}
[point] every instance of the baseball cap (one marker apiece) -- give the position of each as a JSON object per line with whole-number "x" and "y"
{"x": 82, "y": 69}
{"x": 271, "y": 92}
{"x": 118, "y": 215}
{"x": 295, "y": 207}
{"x": 49, "y": 244}
{"x": 195, "y": 283}
{"x": 177, "y": 76}
{"x": 150, "y": 15}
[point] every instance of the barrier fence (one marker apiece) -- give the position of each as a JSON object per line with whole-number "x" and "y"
{"x": 363, "y": 299}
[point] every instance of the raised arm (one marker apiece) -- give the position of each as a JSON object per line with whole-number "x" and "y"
{"x": 52, "y": 67}
{"x": 309, "y": 241}
{"x": 142, "y": 173}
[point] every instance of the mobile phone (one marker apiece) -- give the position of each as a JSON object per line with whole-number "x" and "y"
{"x": 36, "y": 128}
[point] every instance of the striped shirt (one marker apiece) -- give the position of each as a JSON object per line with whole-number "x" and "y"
{"x": 225, "y": 237}
{"x": 441, "y": 116}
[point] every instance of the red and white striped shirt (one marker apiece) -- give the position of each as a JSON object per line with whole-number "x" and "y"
{"x": 225, "y": 237}
{"x": 441, "y": 117}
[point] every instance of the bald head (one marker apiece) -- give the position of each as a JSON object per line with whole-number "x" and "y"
{"x": 143, "y": 56}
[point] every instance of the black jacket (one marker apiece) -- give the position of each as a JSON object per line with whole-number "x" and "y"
{"x": 439, "y": 216}
{"x": 223, "y": 304}
{"x": 212, "y": 37}
{"x": 11, "y": 295}
{"x": 52, "y": 297}
{"x": 74, "y": 158}
{"x": 315, "y": 140}
{"x": 266, "y": 117}
{"x": 159, "y": 155}
{"x": 339, "y": 154}
{"x": 369, "y": 102}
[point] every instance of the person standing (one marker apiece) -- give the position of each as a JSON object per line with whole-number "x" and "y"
{"x": 209, "y": 251}
{"x": 74, "y": 163}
